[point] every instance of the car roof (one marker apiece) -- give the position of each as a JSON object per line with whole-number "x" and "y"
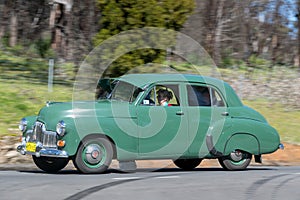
{"x": 143, "y": 80}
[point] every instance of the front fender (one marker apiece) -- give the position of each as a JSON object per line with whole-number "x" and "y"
{"x": 30, "y": 123}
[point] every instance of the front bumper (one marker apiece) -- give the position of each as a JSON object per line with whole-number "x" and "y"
{"x": 43, "y": 152}
{"x": 40, "y": 142}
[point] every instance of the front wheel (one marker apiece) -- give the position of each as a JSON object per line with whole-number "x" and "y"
{"x": 94, "y": 155}
{"x": 237, "y": 160}
{"x": 187, "y": 164}
{"x": 49, "y": 164}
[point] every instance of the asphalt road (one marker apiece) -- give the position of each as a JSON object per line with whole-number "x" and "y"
{"x": 202, "y": 183}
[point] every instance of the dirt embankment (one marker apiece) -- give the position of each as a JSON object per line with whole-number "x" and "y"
{"x": 288, "y": 157}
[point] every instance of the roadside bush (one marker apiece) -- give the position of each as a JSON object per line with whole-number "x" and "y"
{"x": 43, "y": 46}
{"x": 258, "y": 62}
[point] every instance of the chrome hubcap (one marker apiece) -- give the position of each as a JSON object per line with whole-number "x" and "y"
{"x": 236, "y": 156}
{"x": 93, "y": 154}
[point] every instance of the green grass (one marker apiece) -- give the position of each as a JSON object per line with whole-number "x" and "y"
{"x": 20, "y": 98}
{"x": 287, "y": 122}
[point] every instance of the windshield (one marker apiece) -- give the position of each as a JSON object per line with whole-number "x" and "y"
{"x": 124, "y": 91}
{"x": 104, "y": 88}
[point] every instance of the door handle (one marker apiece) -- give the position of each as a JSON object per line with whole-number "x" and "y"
{"x": 225, "y": 114}
{"x": 179, "y": 113}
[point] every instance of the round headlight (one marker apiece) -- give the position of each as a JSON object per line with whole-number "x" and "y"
{"x": 61, "y": 128}
{"x": 23, "y": 124}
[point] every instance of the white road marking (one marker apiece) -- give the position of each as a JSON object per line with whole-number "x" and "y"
{"x": 136, "y": 177}
{"x": 166, "y": 177}
{"x": 127, "y": 178}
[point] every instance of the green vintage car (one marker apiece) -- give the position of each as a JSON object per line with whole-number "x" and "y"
{"x": 203, "y": 119}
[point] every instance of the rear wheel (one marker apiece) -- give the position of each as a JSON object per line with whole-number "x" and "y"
{"x": 94, "y": 155}
{"x": 187, "y": 164}
{"x": 237, "y": 160}
{"x": 49, "y": 164}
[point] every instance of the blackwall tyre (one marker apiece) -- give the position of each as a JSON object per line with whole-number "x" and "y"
{"x": 49, "y": 164}
{"x": 187, "y": 164}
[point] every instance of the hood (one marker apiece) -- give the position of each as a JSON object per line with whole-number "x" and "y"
{"x": 55, "y": 111}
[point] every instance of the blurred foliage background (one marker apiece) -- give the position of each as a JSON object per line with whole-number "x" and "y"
{"x": 254, "y": 43}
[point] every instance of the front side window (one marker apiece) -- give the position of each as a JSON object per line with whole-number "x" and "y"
{"x": 149, "y": 100}
{"x": 124, "y": 91}
{"x": 162, "y": 95}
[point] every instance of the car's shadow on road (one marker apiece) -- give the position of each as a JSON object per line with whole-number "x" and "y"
{"x": 150, "y": 170}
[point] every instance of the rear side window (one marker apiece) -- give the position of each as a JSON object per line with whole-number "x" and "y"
{"x": 203, "y": 96}
{"x": 198, "y": 95}
{"x": 216, "y": 98}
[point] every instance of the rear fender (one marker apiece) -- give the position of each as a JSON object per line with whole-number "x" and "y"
{"x": 242, "y": 141}
{"x": 252, "y": 136}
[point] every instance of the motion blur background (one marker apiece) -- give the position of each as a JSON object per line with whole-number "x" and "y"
{"x": 255, "y": 44}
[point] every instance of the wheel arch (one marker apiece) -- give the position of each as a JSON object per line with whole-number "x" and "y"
{"x": 242, "y": 141}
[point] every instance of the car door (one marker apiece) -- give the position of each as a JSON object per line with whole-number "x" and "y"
{"x": 207, "y": 113}
{"x": 162, "y": 129}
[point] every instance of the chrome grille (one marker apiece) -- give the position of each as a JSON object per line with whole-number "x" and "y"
{"x": 38, "y": 131}
{"x": 47, "y": 138}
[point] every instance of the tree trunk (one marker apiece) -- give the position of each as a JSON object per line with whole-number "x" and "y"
{"x": 275, "y": 39}
{"x": 244, "y": 23}
{"x": 2, "y": 25}
{"x": 218, "y": 34}
{"x": 209, "y": 23}
{"x": 13, "y": 29}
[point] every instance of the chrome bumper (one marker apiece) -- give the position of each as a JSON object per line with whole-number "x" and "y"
{"x": 43, "y": 152}
{"x": 44, "y": 143}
